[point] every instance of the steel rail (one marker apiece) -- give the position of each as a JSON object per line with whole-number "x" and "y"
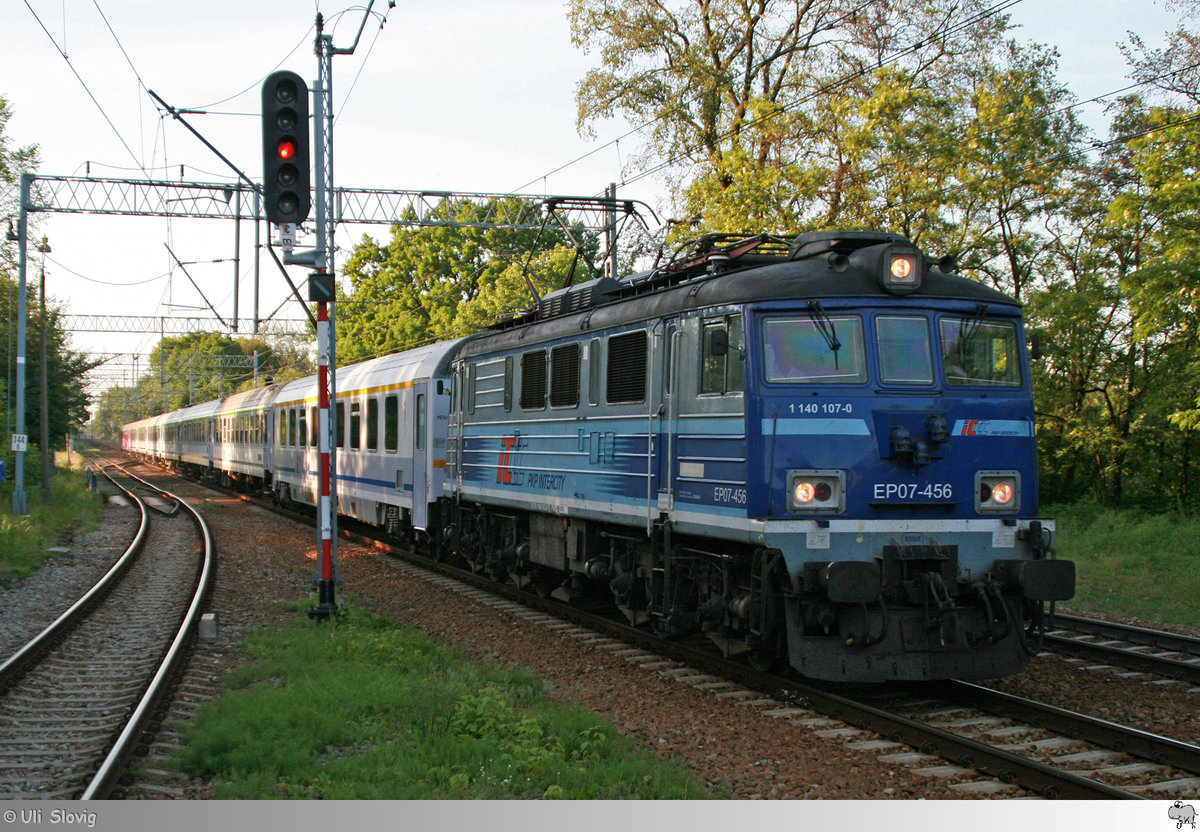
{"x": 1176, "y": 641}
{"x": 1148, "y": 663}
{"x": 1185, "y": 670}
{"x": 21, "y": 661}
{"x": 1144, "y": 744}
{"x": 1127, "y": 632}
{"x": 127, "y": 742}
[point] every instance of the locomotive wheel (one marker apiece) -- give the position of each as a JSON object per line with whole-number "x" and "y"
{"x": 762, "y": 660}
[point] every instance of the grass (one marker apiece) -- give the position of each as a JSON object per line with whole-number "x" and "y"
{"x": 26, "y": 539}
{"x": 1132, "y": 564}
{"x": 362, "y": 709}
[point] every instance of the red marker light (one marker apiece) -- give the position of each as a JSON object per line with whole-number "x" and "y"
{"x": 286, "y": 149}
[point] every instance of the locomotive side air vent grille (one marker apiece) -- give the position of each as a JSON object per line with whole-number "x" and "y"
{"x": 564, "y": 376}
{"x": 627, "y": 368}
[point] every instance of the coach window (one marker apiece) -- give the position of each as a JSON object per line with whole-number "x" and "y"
{"x": 722, "y": 368}
{"x": 420, "y": 422}
{"x": 372, "y": 424}
{"x": 533, "y": 380}
{"x": 626, "y": 376}
{"x": 314, "y": 428}
{"x": 302, "y": 426}
{"x": 391, "y": 424}
{"x": 564, "y": 376}
{"x": 341, "y": 424}
{"x": 905, "y": 350}
{"x": 281, "y": 414}
{"x": 355, "y": 425}
{"x": 292, "y": 438}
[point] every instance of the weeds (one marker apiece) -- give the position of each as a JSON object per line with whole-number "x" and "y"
{"x": 26, "y": 539}
{"x": 365, "y": 710}
{"x": 1132, "y": 564}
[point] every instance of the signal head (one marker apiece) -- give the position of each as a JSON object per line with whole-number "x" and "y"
{"x": 286, "y": 172}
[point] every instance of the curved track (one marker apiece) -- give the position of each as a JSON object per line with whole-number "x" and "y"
{"x": 80, "y": 698}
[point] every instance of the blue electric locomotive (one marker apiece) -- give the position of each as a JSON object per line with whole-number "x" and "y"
{"x": 817, "y": 451}
{"x": 820, "y": 450}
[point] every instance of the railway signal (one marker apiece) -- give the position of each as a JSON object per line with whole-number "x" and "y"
{"x": 286, "y": 171}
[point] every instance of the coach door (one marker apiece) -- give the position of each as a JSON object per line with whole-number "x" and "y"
{"x": 421, "y": 450}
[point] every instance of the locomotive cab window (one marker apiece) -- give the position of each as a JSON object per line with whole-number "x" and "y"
{"x": 978, "y": 352}
{"x": 722, "y": 361}
{"x": 814, "y": 349}
{"x": 905, "y": 351}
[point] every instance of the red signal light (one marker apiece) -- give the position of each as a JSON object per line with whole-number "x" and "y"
{"x": 286, "y": 149}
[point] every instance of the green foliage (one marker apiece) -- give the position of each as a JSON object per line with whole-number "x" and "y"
{"x": 199, "y": 367}
{"x": 24, "y": 540}
{"x": 362, "y": 710}
{"x": 437, "y": 283}
{"x": 1130, "y": 563}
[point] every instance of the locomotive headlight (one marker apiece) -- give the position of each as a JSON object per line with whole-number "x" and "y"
{"x": 899, "y": 266}
{"x": 997, "y": 492}
{"x": 818, "y": 491}
{"x": 902, "y": 268}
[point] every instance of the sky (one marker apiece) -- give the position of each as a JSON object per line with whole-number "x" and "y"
{"x": 474, "y": 96}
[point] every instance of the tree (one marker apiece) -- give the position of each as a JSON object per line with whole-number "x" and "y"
{"x": 753, "y": 108}
{"x": 14, "y": 161}
{"x": 437, "y": 283}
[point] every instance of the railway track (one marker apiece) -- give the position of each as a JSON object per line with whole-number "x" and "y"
{"x": 1161, "y": 653}
{"x": 84, "y": 696}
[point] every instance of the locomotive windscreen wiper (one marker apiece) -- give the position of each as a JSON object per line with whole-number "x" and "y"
{"x": 967, "y": 330}
{"x": 823, "y": 323}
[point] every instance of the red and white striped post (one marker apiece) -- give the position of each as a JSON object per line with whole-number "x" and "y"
{"x": 326, "y": 601}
